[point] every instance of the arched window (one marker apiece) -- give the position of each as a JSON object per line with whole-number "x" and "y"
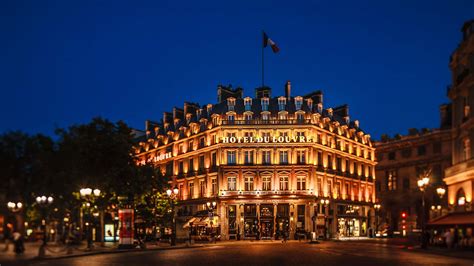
{"x": 460, "y": 197}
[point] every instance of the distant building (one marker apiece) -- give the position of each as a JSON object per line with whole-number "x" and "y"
{"x": 460, "y": 176}
{"x": 401, "y": 162}
{"x": 274, "y": 166}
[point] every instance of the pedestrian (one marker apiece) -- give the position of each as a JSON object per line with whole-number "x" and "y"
{"x": 18, "y": 243}
{"x": 8, "y": 236}
{"x": 456, "y": 237}
{"x": 448, "y": 237}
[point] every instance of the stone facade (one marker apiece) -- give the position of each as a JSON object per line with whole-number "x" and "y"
{"x": 274, "y": 166}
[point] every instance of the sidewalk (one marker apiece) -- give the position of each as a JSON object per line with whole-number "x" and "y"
{"x": 55, "y": 251}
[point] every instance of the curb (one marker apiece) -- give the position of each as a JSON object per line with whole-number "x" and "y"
{"x": 112, "y": 251}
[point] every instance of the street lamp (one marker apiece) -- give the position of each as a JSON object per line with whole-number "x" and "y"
{"x": 423, "y": 184}
{"x": 43, "y": 202}
{"x": 89, "y": 195}
{"x": 14, "y": 207}
{"x": 172, "y": 194}
{"x": 441, "y": 191}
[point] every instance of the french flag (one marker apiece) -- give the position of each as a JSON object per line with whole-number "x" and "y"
{"x": 267, "y": 41}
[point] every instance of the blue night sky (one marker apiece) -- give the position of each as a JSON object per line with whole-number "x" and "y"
{"x": 65, "y": 62}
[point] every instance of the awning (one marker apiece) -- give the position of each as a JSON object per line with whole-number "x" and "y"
{"x": 201, "y": 221}
{"x": 187, "y": 224}
{"x": 458, "y": 218}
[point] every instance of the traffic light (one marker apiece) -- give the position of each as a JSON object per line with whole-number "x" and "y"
{"x": 404, "y": 215}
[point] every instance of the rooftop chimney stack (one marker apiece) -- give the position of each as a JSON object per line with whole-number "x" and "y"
{"x": 288, "y": 90}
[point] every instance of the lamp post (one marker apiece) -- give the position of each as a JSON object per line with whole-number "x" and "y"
{"x": 172, "y": 194}
{"x": 423, "y": 184}
{"x": 325, "y": 203}
{"x": 43, "y": 202}
{"x": 377, "y": 213}
{"x": 89, "y": 195}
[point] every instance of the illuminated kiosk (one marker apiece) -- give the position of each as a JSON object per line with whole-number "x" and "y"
{"x": 276, "y": 167}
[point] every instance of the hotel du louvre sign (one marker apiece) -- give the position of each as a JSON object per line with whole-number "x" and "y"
{"x": 267, "y": 139}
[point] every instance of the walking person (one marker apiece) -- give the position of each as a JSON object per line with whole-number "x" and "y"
{"x": 7, "y": 236}
{"x": 19, "y": 247}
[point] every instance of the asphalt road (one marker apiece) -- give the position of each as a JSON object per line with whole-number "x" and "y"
{"x": 268, "y": 253}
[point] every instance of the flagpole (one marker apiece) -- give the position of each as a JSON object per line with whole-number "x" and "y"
{"x": 263, "y": 62}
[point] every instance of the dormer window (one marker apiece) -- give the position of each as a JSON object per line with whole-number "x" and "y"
{"x": 248, "y": 103}
{"x": 248, "y": 117}
{"x": 231, "y": 118}
{"x": 320, "y": 107}
{"x": 309, "y": 102}
{"x": 298, "y": 102}
{"x": 329, "y": 112}
{"x": 300, "y": 116}
{"x": 265, "y": 117}
{"x": 188, "y": 118}
{"x": 198, "y": 114}
{"x": 265, "y": 102}
{"x": 209, "y": 109}
{"x": 281, "y": 103}
{"x": 231, "y": 104}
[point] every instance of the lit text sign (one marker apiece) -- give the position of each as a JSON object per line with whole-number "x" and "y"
{"x": 269, "y": 139}
{"x": 157, "y": 158}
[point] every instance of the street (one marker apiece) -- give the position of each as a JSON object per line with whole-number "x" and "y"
{"x": 267, "y": 253}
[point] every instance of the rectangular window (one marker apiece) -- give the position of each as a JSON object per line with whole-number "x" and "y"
{"x": 283, "y": 182}
{"x": 214, "y": 186}
{"x": 201, "y": 162}
{"x": 320, "y": 158}
{"x": 231, "y": 183}
{"x": 265, "y": 102}
{"x": 421, "y": 150}
{"x": 190, "y": 190}
{"x": 248, "y": 157}
{"x": 391, "y": 180}
{"x": 181, "y": 167}
{"x": 301, "y": 183}
{"x": 406, "y": 153}
{"x": 231, "y": 157}
{"x": 248, "y": 183}
{"x": 201, "y": 142}
{"x": 391, "y": 155}
{"x": 329, "y": 161}
{"x": 339, "y": 163}
{"x": 202, "y": 188}
{"x": 281, "y": 104}
{"x": 213, "y": 158}
{"x": 266, "y": 183}
{"x": 298, "y": 104}
{"x": 301, "y": 157}
{"x": 191, "y": 145}
{"x": 329, "y": 183}
{"x": 266, "y": 157}
{"x": 191, "y": 165}
{"x": 283, "y": 157}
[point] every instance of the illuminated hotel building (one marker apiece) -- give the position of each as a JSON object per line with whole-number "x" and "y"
{"x": 274, "y": 166}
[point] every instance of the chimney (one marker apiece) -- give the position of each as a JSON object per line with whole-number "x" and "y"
{"x": 288, "y": 90}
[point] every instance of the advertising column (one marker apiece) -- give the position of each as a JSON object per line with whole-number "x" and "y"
{"x": 126, "y": 228}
